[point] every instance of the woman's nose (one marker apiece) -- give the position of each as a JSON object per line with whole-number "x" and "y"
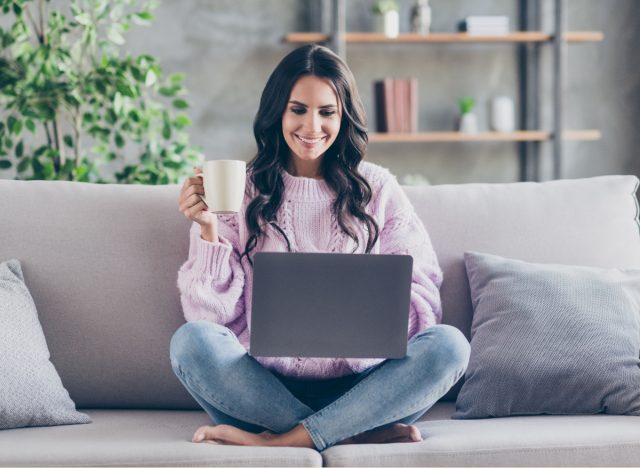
{"x": 312, "y": 122}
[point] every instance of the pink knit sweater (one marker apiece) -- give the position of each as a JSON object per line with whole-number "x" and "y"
{"x": 215, "y": 286}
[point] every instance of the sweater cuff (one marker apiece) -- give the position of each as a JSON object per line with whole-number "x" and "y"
{"x": 212, "y": 258}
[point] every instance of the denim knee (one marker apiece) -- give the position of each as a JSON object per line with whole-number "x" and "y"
{"x": 450, "y": 344}
{"x": 189, "y": 338}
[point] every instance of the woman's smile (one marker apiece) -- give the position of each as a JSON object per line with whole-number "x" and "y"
{"x": 309, "y": 142}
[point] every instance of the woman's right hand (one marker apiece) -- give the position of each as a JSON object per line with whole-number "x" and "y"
{"x": 191, "y": 205}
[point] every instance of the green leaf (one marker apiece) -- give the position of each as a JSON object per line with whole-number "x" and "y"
{"x": 169, "y": 91}
{"x": 20, "y": 149}
{"x": 176, "y": 78}
{"x": 5, "y": 164}
{"x": 83, "y": 18}
{"x": 151, "y": 78}
{"x": 166, "y": 131}
{"x": 117, "y": 103}
{"x": 119, "y": 140}
{"x": 182, "y": 121}
{"x": 142, "y": 18}
{"x": 111, "y": 117}
{"x": 68, "y": 140}
{"x": 17, "y": 9}
{"x": 14, "y": 125}
{"x": 115, "y": 36}
{"x": 30, "y": 125}
{"x": 180, "y": 104}
{"x": 81, "y": 171}
{"x": 24, "y": 164}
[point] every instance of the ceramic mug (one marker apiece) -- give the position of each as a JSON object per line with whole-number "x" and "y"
{"x": 223, "y": 181}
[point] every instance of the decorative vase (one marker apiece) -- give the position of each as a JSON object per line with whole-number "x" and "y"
{"x": 421, "y": 17}
{"x": 389, "y": 23}
{"x": 469, "y": 123}
{"x": 502, "y": 114}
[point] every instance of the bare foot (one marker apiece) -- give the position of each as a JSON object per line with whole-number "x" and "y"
{"x": 389, "y": 434}
{"x": 230, "y": 435}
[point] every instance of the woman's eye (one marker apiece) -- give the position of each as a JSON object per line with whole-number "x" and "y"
{"x": 300, "y": 111}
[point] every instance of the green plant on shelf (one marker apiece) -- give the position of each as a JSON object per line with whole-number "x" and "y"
{"x": 466, "y": 105}
{"x": 381, "y": 7}
{"x": 71, "y": 100}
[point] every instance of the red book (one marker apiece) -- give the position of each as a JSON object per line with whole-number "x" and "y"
{"x": 390, "y": 114}
{"x": 398, "y": 94}
{"x": 413, "y": 105}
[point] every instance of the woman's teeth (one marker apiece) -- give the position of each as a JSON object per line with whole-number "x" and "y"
{"x": 309, "y": 141}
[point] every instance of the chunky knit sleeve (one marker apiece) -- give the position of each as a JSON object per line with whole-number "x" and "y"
{"x": 404, "y": 233}
{"x": 211, "y": 281}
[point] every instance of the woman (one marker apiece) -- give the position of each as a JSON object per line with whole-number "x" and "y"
{"x": 308, "y": 190}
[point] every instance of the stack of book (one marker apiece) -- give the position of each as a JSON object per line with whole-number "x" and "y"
{"x": 485, "y": 25}
{"x": 396, "y": 103}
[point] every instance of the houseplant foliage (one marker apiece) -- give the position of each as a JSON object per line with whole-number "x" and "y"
{"x": 70, "y": 100}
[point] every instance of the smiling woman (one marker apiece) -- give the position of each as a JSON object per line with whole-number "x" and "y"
{"x": 308, "y": 190}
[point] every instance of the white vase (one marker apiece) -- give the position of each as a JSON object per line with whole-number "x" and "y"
{"x": 389, "y": 23}
{"x": 469, "y": 123}
{"x": 502, "y": 114}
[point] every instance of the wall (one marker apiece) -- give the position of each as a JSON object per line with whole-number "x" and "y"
{"x": 228, "y": 48}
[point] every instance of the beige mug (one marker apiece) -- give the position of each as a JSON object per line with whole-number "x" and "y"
{"x": 223, "y": 181}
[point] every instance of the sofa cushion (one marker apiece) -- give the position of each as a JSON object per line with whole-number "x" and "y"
{"x": 109, "y": 314}
{"x": 585, "y": 440}
{"x": 31, "y": 393}
{"x": 591, "y": 222}
{"x": 138, "y": 438}
{"x": 122, "y": 245}
{"x": 551, "y": 339}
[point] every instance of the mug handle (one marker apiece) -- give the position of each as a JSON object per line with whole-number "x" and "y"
{"x": 202, "y": 196}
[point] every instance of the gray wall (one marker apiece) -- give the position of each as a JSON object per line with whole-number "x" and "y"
{"x": 228, "y": 48}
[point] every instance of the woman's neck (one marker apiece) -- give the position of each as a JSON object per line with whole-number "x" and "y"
{"x": 310, "y": 170}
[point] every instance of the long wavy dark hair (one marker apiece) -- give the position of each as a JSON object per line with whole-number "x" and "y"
{"x": 339, "y": 166}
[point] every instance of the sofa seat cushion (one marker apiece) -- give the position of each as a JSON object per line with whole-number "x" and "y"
{"x": 137, "y": 438}
{"x": 589, "y": 440}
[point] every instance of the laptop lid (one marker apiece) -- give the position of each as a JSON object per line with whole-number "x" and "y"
{"x": 330, "y": 305}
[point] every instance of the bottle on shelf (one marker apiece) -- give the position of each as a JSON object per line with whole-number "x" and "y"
{"x": 421, "y": 17}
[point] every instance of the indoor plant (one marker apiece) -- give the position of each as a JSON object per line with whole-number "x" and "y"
{"x": 72, "y": 101}
{"x": 388, "y": 18}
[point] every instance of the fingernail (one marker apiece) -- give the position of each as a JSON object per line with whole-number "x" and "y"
{"x": 199, "y": 437}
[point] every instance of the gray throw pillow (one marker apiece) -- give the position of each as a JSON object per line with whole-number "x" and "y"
{"x": 551, "y": 339}
{"x": 31, "y": 392}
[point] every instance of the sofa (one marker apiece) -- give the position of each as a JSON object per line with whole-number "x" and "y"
{"x": 101, "y": 263}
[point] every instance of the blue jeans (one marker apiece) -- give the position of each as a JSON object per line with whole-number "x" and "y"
{"x": 235, "y": 389}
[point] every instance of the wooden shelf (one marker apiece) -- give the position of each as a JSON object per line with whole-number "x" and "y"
{"x": 528, "y": 135}
{"x": 514, "y": 37}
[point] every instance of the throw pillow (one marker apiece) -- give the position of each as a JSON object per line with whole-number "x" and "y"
{"x": 31, "y": 392}
{"x": 551, "y": 339}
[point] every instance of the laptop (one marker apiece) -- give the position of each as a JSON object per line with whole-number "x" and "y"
{"x": 330, "y": 305}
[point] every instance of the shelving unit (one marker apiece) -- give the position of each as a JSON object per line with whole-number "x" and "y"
{"x": 528, "y": 40}
{"x": 521, "y": 36}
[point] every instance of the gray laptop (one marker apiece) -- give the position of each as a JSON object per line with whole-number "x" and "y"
{"x": 330, "y": 305}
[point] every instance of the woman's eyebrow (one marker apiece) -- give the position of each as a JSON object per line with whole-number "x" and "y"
{"x": 304, "y": 105}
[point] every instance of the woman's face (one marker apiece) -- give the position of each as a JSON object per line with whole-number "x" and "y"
{"x": 311, "y": 121}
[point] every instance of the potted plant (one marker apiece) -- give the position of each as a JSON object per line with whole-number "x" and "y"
{"x": 71, "y": 99}
{"x": 468, "y": 122}
{"x": 387, "y": 17}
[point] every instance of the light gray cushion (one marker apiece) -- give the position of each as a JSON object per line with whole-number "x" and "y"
{"x": 585, "y": 440}
{"x": 591, "y": 222}
{"x": 551, "y": 339}
{"x": 31, "y": 392}
{"x": 138, "y": 438}
{"x": 116, "y": 296}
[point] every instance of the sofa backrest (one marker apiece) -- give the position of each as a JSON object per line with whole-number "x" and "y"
{"x": 101, "y": 262}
